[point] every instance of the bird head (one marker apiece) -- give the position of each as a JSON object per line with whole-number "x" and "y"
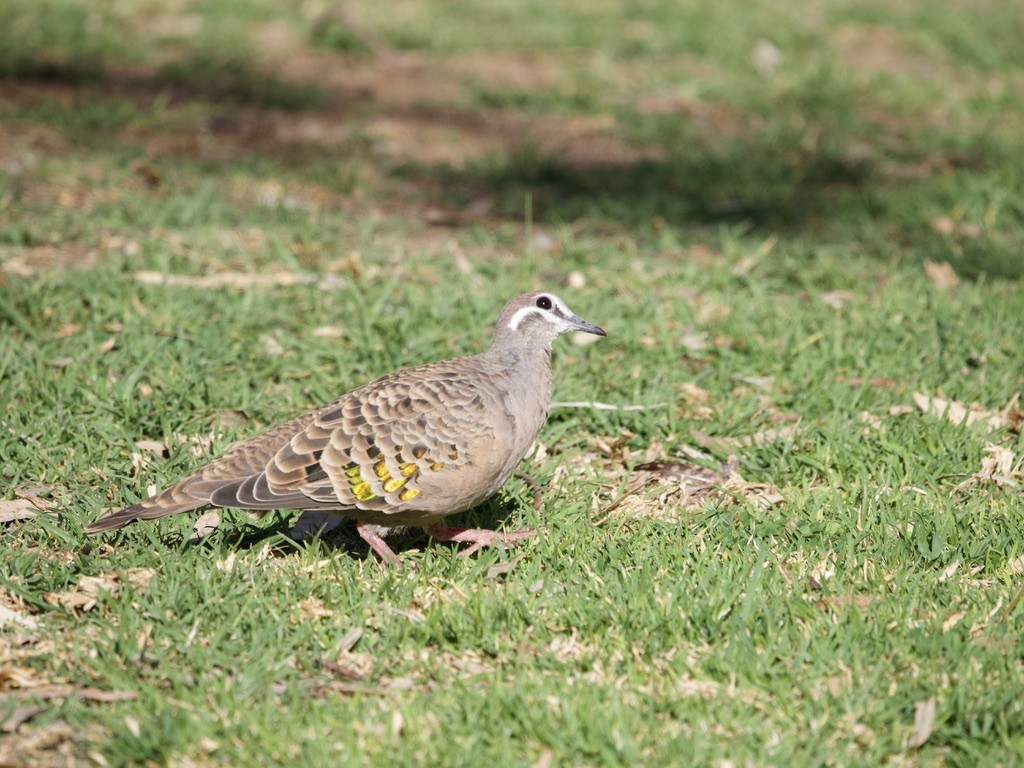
{"x": 539, "y": 317}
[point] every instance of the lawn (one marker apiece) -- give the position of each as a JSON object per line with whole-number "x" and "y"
{"x": 796, "y": 537}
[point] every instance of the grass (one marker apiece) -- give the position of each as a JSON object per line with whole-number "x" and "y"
{"x": 756, "y": 245}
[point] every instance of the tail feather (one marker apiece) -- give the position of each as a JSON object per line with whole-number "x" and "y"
{"x": 161, "y": 505}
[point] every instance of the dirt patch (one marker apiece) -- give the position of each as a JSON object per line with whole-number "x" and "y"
{"x": 877, "y": 50}
{"x": 22, "y": 144}
{"x": 25, "y": 262}
{"x": 519, "y": 70}
{"x": 712, "y": 120}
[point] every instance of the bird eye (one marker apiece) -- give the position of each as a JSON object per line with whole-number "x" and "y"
{"x": 544, "y": 302}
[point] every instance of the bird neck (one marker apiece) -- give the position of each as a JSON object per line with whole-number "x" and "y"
{"x": 528, "y": 361}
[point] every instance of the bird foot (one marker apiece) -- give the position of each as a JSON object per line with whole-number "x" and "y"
{"x": 478, "y": 537}
{"x": 371, "y": 534}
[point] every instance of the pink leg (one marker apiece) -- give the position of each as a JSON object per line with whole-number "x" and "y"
{"x": 371, "y": 535}
{"x": 477, "y": 537}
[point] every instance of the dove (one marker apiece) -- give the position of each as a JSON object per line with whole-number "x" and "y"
{"x": 407, "y": 450}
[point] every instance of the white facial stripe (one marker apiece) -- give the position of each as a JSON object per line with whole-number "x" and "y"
{"x": 522, "y": 313}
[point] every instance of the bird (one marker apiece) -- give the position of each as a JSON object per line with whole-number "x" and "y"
{"x": 406, "y": 450}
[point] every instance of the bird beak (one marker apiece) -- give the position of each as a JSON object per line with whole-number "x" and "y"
{"x": 579, "y": 324}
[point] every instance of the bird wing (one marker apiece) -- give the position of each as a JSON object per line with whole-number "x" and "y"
{"x": 389, "y": 446}
{"x": 385, "y": 447}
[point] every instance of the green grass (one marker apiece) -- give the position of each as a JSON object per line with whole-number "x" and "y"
{"x": 637, "y": 147}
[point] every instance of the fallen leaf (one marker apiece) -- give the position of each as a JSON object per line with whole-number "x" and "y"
{"x": 944, "y": 225}
{"x": 227, "y": 279}
{"x": 941, "y": 274}
{"x": 401, "y": 684}
{"x": 133, "y": 726}
{"x": 952, "y": 620}
{"x": 397, "y": 724}
{"x": 759, "y": 382}
{"x": 152, "y": 446}
{"x": 272, "y": 346}
{"x": 875, "y": 381}
{"x": 20, "y": 714}
{"x": 205, "y": 525}
{"x": 756, "y": 440}
{"x": 999, "y": 467}
{"x": 714, "y": 444}
{"x": 68, "y": 329}
{"x": 873, "y": 421}
{"x": 766, "y": 58}
{"x": 749, "y": 262}
{"x": 1009, "y": 417}
{"x": 350, "y": 666}
{"x": 228, "y": 418}
{"x": 924, "y": 722}
{"x": 762, "y": 495}
{"x": 19, "y": 687}
{"x": 17, "y": 509}
{"x": 901, "y": 410}
{"x": 86, "y": 593}
{"x": 584, "y": 339}
{"x": 10, "y": 616}
{"x": 693, "y": 394}
{"x": 313, "y": 608}
{"x": 832, "y": 602}
{"x": 348, "y": 641}
{"x": 998, "y": 462}
{"x": 694, "y": 341}
{"x": 694, "y": 475}
{"x": 682, "y": 486}
{"x": 500, "y": 569}
{"x": 838, "y": 299}
{"x": 71, "y": 600}
{"x": 105, "y": 697}
{"x": 350, "y": 264}
{"x": 50, "y": 745}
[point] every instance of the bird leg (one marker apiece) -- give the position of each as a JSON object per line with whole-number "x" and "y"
{"x": 371, "y": 534}
{"x": 477, "y": 537}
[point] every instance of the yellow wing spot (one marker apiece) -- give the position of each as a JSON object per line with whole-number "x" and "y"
{"x": 380, "y": 469}
{"x": 362, "y": 491}
{"x": 419, "y": 451}
{"x": 393, "y": 484}
{"x": 437, "y": 466}
{"x": 409, "y": 494}
{"x": 407, "y": 469}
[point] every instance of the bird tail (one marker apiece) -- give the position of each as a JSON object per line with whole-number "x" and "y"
{"x": 168, "y": 502}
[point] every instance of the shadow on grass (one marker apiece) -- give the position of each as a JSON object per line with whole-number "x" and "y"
{"x": 748, "y": 183}
{"x": 770, "y": 180}
{"x": 199, "y": 78}
{"x": 344, "y": 539}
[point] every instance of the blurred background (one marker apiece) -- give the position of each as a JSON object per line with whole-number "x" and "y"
{"x": 792, "y": 531}
{"x": 891, "y": 130}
